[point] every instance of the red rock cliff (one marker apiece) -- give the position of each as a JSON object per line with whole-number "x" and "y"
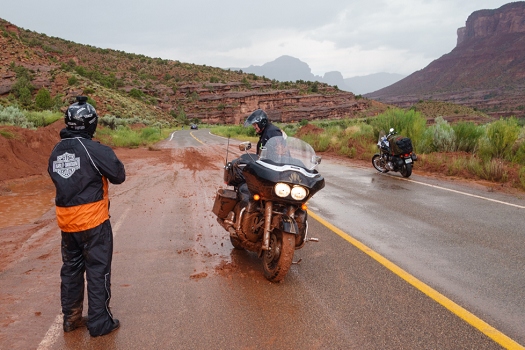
{"x": 507, "y": 19}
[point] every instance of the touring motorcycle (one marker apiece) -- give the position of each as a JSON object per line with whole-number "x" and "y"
{"x": 267, "y": 212}
{"x": 395, "y": 154}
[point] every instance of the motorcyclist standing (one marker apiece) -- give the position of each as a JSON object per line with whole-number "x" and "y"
{"x": 80, "y": 169}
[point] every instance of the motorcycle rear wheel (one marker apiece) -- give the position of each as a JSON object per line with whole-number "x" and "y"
{"x": 379, "y": 163}
{"x": 278, "y": 259}
{"x": 406, "y": 170}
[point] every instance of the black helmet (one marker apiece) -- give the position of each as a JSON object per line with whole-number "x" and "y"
{"x": 81, "y": 116}
{"x": 258, "y": 117}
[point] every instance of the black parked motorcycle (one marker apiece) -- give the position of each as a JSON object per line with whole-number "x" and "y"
{"x": 267, "y": 213}
{"x": 395, "y": 154}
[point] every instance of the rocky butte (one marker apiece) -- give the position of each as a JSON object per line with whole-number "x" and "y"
{"x": 486, "y": 69}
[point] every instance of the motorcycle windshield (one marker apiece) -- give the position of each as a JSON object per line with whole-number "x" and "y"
{"x": 381, "y": 135}
{"x": 289, "y": 151}
{"x": 382, "y": 141}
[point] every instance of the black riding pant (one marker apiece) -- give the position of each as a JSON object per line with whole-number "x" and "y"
{"x": 88, "y": 252}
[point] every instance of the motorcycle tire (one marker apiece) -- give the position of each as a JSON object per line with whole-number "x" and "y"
{"x": 379, "y": 163}
{"x": 406, "y": 170}
{"x": 278, "y": 259}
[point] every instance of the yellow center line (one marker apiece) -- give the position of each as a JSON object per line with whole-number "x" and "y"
{"x": 191, "y": 133}
{"x": 459, "y": 311}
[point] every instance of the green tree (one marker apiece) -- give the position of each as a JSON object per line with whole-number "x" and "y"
{"x": 43, "y": 99}
{"x": 24, "y": 96}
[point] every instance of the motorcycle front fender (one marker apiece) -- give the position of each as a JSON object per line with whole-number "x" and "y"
{"x": 289, "y": 225}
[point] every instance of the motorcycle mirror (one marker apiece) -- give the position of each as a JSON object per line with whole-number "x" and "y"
{"x": 244, "y": 146}
{"x": 391, "y": 130}
{"x": 316, "y": 160}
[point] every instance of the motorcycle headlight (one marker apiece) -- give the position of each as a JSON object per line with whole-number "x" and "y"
{"x": 282, "y": 189}
{"x": 298, "y": 193}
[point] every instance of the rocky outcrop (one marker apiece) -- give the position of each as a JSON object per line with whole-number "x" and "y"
{"x": 507, "y": 19}
{"x": 486, "y": 69}
{"x": 128, "y": 85}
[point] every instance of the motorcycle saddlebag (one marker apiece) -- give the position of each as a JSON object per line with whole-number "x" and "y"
{"x": 225, "y": 200}
{"x": 401, "y": 145}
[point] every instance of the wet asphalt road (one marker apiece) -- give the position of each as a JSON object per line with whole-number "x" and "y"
{"x": 177, "y": 283}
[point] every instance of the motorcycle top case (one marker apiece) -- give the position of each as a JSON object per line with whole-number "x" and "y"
{"x": 400, "y": 145}
{"x": 225, "y": 201}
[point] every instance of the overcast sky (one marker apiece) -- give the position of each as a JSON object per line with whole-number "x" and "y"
{"x": 354, "y": 37}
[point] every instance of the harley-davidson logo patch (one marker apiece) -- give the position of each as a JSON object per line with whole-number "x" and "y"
{"x": 66, "y": 165}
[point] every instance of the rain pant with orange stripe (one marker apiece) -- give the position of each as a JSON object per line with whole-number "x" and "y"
{"x": 81, "y": 169}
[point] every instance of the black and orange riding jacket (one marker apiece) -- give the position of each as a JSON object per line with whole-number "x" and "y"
{"x": 80, "y": 169}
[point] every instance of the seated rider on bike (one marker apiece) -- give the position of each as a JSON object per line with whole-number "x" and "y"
{"x": 266, "y": 130}
{"x": 263, "y": 127}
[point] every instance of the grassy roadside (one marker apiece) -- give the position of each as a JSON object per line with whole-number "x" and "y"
{"x": 493, "y": 152}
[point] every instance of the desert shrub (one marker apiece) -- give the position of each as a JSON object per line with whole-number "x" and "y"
{"x": 125, "y": 137}
{"x": 151, "y": 134}
{"x": 320, "y": 143}
{"x": 88, "y": 90}
{"x": 357, "y": 141}
{"x": 491, "y": 169}
{"x": 112, "y": 121}
{"x": 181, "y": 117}
{"x": 11, "y": 115}
{"x": 136, "y": 93}
{"x": 288, "y": 129}
{"x": 43, "y": 118}
{"x": 499, "y": 139}
{"x": 72, "y": 80}
{"x": 519, "y": 155}
{"x": 407, "y": 123}
{"x": 24, "y": 97}
{"x": 236, "y": 131}
{"x": 467, "y": 136}
{"x": 92, "y": 102}
{"x": 43, "y": 99}
{"x": 439, "y": 137}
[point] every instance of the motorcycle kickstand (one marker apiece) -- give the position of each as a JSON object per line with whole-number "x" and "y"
{"x": 297, "y": 262}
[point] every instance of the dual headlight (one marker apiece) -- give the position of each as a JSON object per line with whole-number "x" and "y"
{"x": 284, "y": 190}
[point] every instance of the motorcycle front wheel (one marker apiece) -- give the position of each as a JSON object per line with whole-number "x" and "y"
{"x": 278, "y": 259}
{"x": 406, "y": 170}
{"x": 236, "y": 243}
{"x": 379, "y": 163}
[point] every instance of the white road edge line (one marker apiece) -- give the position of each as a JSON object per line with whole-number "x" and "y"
{"x": 466, "y": 194}
{"x": 54, "y": 330}
{"x": 52, "y": 334}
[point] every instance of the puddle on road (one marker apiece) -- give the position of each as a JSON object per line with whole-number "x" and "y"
{"x": 26, "y": 200}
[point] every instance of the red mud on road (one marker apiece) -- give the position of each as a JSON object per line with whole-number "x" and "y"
{"x": 26, "y": 191}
